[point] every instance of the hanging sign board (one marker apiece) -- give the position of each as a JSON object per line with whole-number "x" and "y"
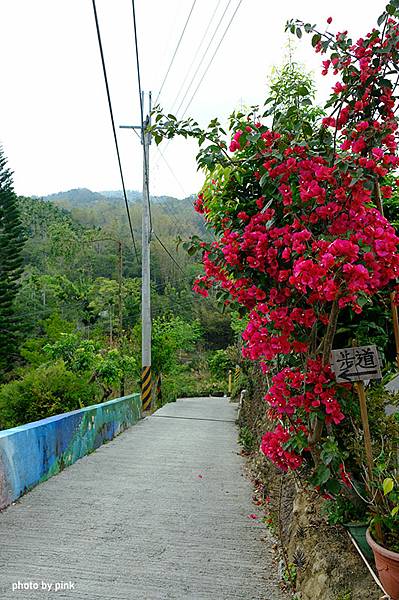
{"x": 356, "y": 364}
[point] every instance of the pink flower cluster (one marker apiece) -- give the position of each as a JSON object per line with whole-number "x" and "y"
{"x": 295, "y": 392}
{"x": 273, "y": 446}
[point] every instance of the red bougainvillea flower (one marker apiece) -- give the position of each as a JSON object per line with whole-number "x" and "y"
{"x": 298, "y": 232}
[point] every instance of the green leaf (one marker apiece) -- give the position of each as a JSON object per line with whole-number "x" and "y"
{"x": 333, "y": 486}
{"x": 326, "y": 457}
{"x": 394, "y": 511}
{"x": 299, "y": 32}
{"x": 321, "y": 476}
{"x": 381, "y": 19}
{"x": 316, "y": 39}
{"x": 263, "y": 179}
{"x": 307, "y": 129}
{"x": 387, "y": 485}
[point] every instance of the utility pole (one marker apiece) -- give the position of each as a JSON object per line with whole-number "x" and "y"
{"x": 146, "y": 377}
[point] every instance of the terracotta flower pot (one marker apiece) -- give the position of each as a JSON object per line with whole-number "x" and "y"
{"x": 387, "y": 563}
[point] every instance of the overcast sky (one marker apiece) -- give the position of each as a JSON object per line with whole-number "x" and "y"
{"x": 54, "y": 121}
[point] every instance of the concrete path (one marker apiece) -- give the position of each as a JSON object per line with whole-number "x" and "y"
{"x": 161, "y": 512}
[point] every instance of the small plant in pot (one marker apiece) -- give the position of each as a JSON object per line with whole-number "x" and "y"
{"x": 383, "y": 534}
{"x": 350, "y": 511}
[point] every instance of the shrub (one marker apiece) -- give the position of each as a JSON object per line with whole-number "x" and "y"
{"x": 43, "y": 392}
{"x": 219, "y": 363}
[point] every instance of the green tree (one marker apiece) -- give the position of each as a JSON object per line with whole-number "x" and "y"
{"x": 11, "y": 245}
{"x": 291, "y": 100}
{"x": 171, "y": 335}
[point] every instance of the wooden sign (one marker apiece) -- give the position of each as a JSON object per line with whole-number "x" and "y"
{"x": 356, "y": 364}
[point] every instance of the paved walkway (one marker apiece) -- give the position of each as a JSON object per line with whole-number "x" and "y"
{"x": 161, "y": 512}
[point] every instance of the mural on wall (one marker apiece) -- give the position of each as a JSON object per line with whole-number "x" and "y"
{"x": 32, "y": 453}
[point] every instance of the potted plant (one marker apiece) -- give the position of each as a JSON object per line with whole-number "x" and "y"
{"x": 350, "y": 511}
{"x": 383, "y": 534}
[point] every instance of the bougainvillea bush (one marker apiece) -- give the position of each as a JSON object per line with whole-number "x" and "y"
{"x": 296, "y": 206}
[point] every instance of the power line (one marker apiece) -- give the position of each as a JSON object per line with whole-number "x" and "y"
{"x": 164, "y": 206}
{"x": 213, "y": 56}
{"x": 204, "y": 55}
{"x": 171, "y": 215}
{"x": 113, "y": 127}
{"x": 141, "y": 110}
{"x": 138, "y": 64}
{"x": 168, "y": 253}
{"x": 202, "y": 60}
{"x": 195, "y": 55}
{"x": 172, "y": 172}
{"x": 175, "y": 52}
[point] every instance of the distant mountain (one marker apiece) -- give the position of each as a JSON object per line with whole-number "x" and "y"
{"x": 173, "y": 216}
{"x": 76, "y": 196}
{"x": 132, "y": 195}
{"x": 85, "y": 197}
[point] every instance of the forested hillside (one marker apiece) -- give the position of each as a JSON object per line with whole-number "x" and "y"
{"x": 78, "y": 306}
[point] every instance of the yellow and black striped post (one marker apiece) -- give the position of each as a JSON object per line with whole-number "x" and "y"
{"x": 146, "y": 388}
{"x": 237, "y": 374}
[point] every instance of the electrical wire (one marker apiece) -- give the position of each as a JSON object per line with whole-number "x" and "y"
{"x": 136, "y": 45}
{"x": 142, "y": 124}
{"x": 113, "y": 127}
{"x": 168, "y": 253}
{"x": 201, "y": 62}
{"x": 204, "y": 55}
{"x": 175, "y": 52}
{"x": 213, "y": 56}
{"x": 195, "y": 55}
{"x": 164, "y": 206}
{"x": 172, "y": 172}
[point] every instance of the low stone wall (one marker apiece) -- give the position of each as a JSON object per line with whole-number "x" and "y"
{"x": 327, "y": 564}
{"x": 34, "y": 452}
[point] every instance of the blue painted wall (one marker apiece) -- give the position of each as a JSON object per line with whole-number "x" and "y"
{"x": 32, "y": 453}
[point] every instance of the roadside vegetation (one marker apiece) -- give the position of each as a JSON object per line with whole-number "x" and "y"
{"x": 70, "y": 312}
